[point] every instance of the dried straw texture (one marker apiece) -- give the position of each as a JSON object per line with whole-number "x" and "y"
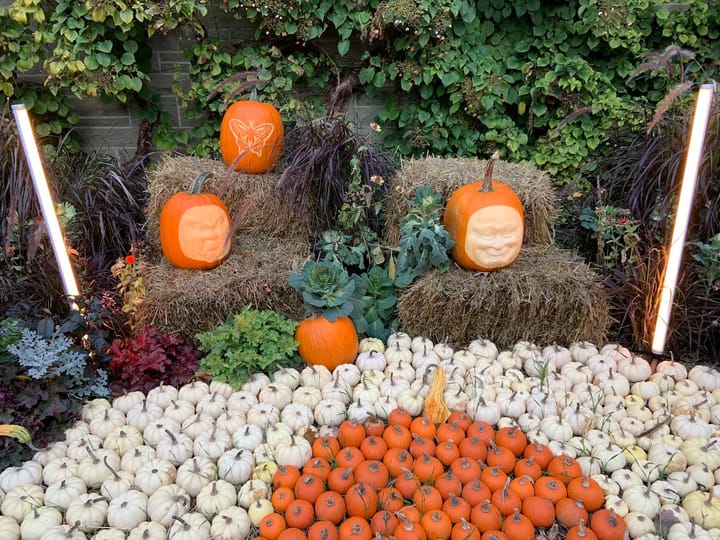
{"x": 270, "y": 244}
{"x": 547, "y": 295}
{"x": 446, "y": 175}
{"x": 256, "y": 274}
{"x": 270, "y": 215}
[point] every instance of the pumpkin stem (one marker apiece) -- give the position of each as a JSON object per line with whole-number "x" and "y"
{"x": 487, "y": 181}
{"x": 196, "y": 185}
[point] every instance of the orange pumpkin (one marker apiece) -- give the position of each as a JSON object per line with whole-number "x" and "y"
{"x": 486, "y": 222}
{"x": 195, "y": 228}
{"x": 251, "y": 136}
{"x": 325, "y": 343}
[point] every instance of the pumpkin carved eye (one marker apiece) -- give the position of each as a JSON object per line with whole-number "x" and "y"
{"x": 486, "y": 221}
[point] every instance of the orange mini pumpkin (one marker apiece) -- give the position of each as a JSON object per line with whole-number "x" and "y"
{"x": 251, "y": 136}
{"x": 486, "y": 222}
{"x": 195, "y": 228}
{"x": 325, "y": 343}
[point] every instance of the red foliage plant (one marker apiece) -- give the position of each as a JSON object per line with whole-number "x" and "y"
{"x": 151, "y": 357}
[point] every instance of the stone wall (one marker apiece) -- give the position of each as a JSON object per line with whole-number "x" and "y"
{"x": 112, "y": 128}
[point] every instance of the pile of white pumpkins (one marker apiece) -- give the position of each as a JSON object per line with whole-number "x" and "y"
{"x": 197, "y": 463}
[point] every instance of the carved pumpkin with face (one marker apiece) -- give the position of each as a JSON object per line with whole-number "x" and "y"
{"x": 251, "y": 136}
{"x": 195, "y": 229}
{"x": 486, "y": 221}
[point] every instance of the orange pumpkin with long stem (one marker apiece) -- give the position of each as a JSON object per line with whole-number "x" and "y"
{"x": 486, "y": 221}
{"x": 195, "y": 228}
{"x": 251, "y": 136}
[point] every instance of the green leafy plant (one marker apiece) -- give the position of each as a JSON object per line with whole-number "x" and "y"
{"x": 327, "y": 288}
{"x": 708, "y": 262}
{"x": 250, "y": 342}
{"x": 378, "y": 317}
{"x": 150, "y": 358}
{"x": 424, "y": 242}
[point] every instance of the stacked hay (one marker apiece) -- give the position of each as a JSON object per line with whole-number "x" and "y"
{"x": 546, "y": 295}
{"x": 270, "y": 244}
{"x": 446, "y": 175}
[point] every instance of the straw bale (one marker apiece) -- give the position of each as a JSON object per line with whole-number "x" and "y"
{"x": 270, "y": 215}
{"x": 547, "y": 295}
{"x": 445, "y": 175}
{"x": 256, "y": 275}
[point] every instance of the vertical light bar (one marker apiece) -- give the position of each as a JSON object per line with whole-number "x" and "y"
{"x": 682, "y": 214}
{"x": 47, "y": 205}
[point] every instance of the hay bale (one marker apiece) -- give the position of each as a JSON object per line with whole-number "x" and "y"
{"x": 256, "y": 275}
{"x": 547, "y": 295}
{"x": 269, "y": 216}
{"x": 445, "y": 175}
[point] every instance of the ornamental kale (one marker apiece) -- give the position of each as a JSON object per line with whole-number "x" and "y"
{"x": 424, "y": 242}
{"x": 328, "y": 289}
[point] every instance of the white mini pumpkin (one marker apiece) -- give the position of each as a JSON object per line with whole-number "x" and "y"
{"x": 195, "y": 474}
{"x": 88, "y": 511}
{"x": 162, "y": 395}
{"x": 215, "y": 497}
{"x": 148, "y": 530}
{"x": 127, "y": 510}
{"x": 168, "y": 501}
{"x": 230, "y": 524}
{"x": 191, "y": 526}
{"x": 39, "y": 520}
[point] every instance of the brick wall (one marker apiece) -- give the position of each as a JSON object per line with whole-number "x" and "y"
{"x": 112, "y": 128}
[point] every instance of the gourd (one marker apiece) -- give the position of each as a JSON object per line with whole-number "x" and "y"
{"x": 62, "y": 532}
{"x": 486, "y": 222}
{"x": 251, "y": 136}
{"x": 235, "y": 465}
{"x": 62, "y": 492}
{"x": 20, "y": 501}
{"x": 9, "y": 528}
{"x": 325, "y": 343}
{"x": 195, "y": 228}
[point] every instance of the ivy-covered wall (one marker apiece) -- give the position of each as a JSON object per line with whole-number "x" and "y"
{"x": 548, "y": 82}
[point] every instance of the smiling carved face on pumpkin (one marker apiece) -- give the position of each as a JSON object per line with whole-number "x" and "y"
{"x": 494, "y": 236}
{"x": 202, "y": 232}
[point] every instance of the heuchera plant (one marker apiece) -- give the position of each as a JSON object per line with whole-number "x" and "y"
{"x": 151, "y": 357}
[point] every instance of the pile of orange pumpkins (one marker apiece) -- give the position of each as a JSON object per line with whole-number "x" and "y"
{"x": 411, "y": 479}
